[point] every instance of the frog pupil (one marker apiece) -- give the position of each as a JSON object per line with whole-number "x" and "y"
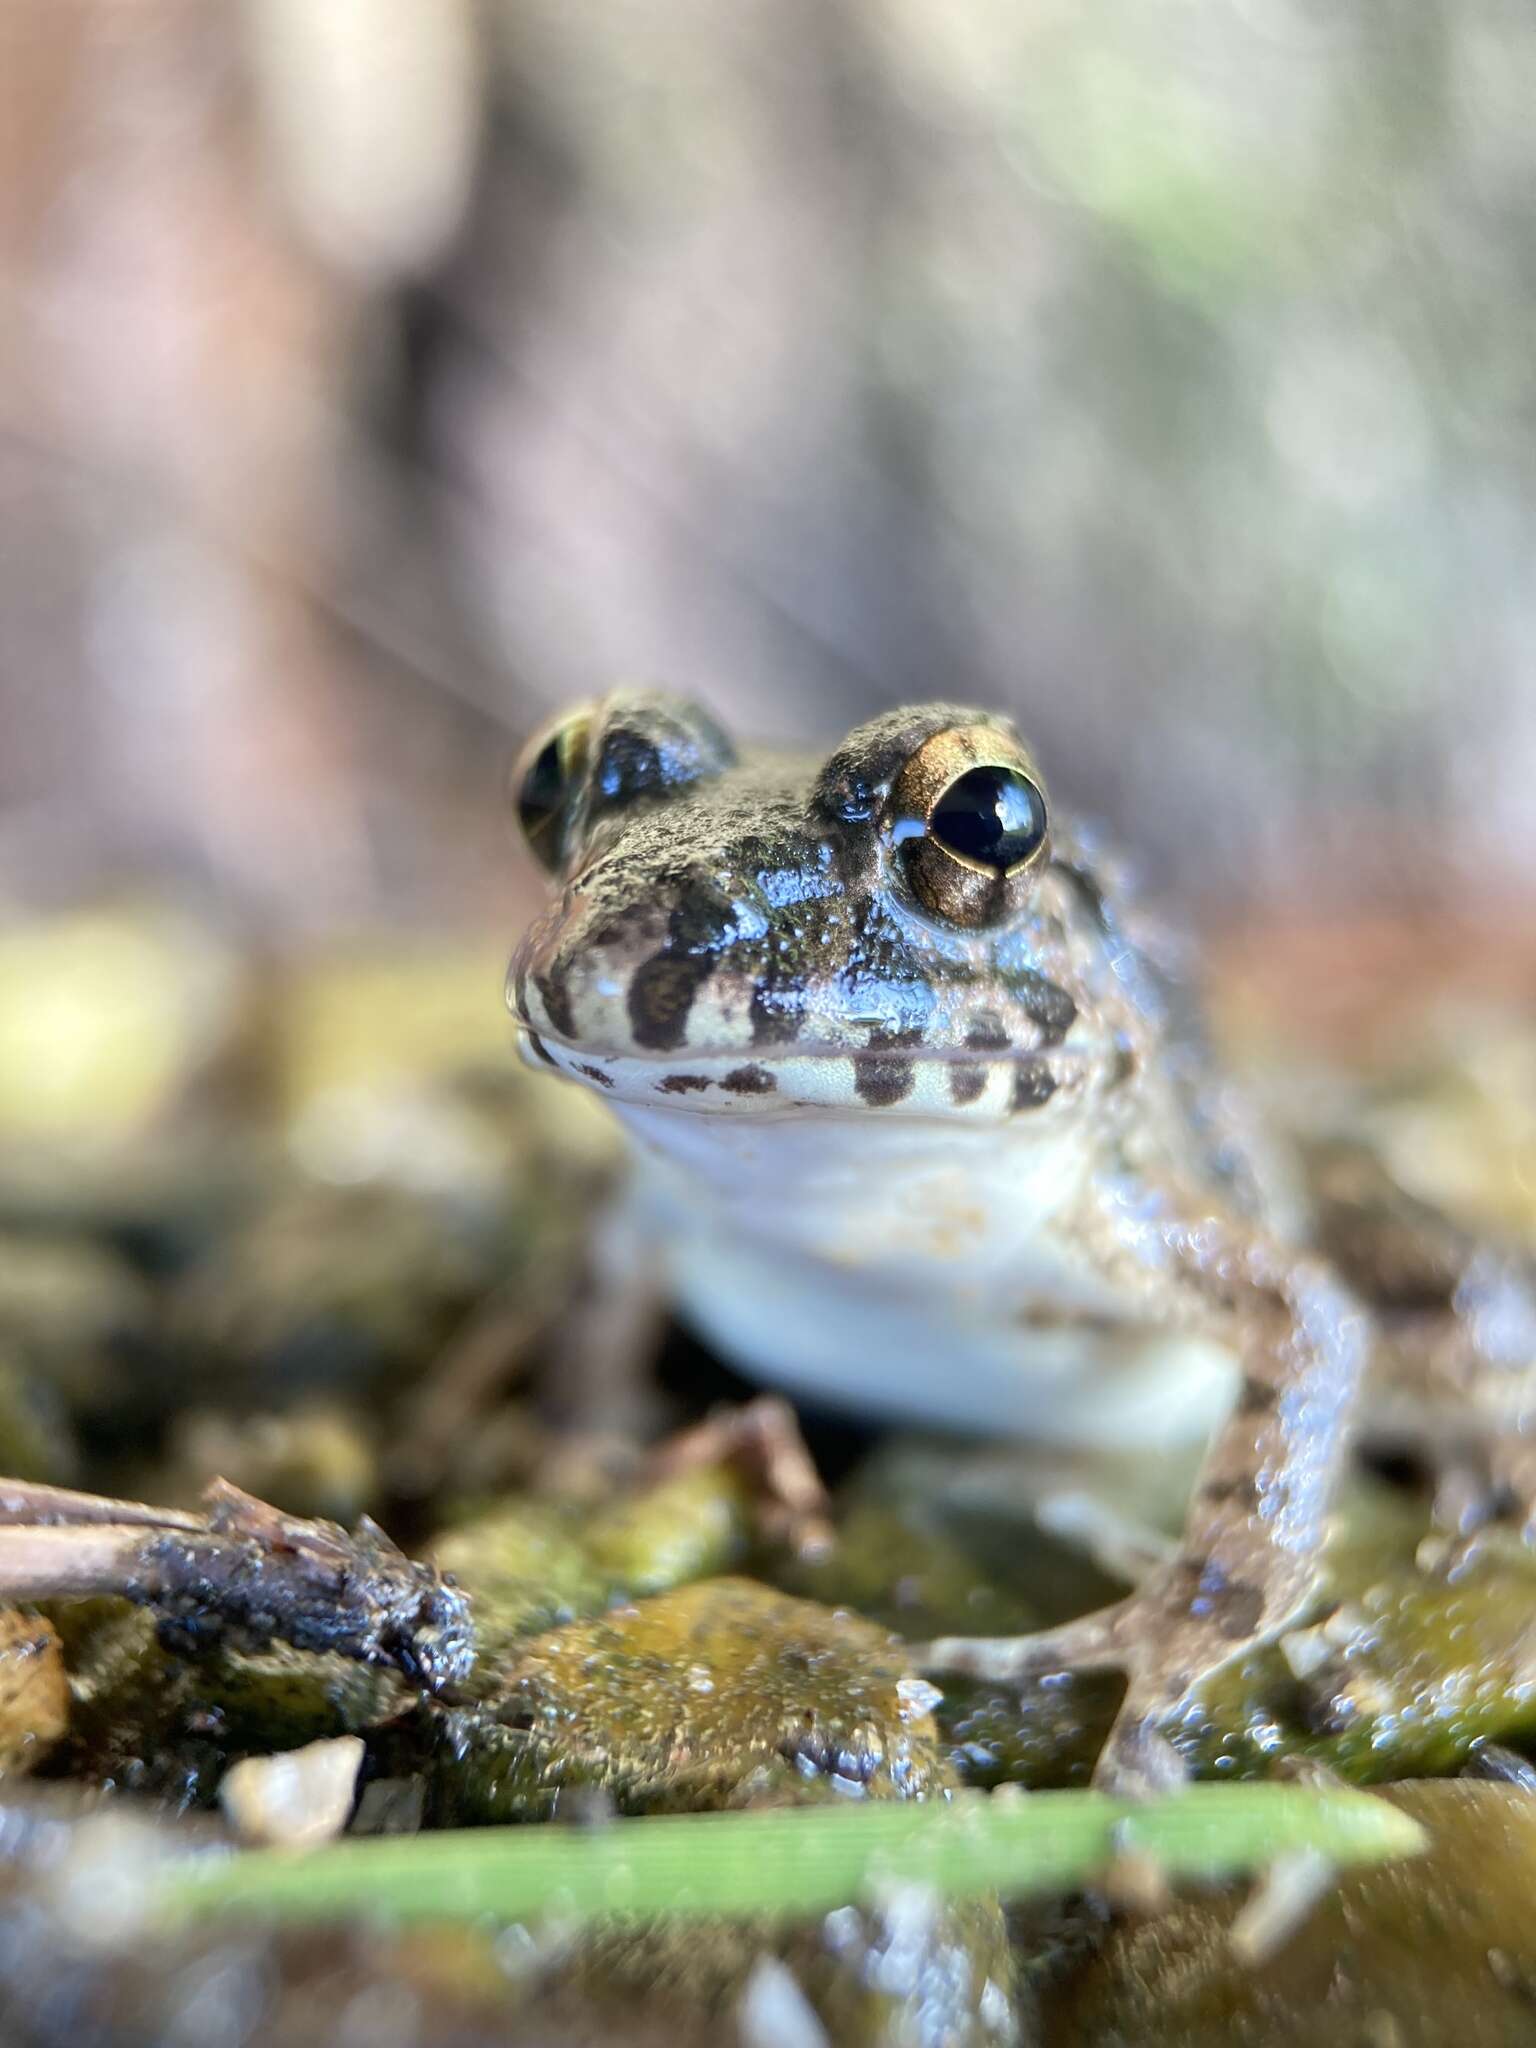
{"x": 995, "y": 816}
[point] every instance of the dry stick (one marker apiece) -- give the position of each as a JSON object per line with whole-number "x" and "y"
{"x": 67, "y": 1564}
{"x": 243, "y": 1574}
{"x": 27, "y": 1500}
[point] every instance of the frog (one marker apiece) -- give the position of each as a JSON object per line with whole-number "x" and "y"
{"x": 928, "y": 1126}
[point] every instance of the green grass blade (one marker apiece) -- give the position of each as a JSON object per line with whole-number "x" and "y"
{"x": 797, "y": 1860}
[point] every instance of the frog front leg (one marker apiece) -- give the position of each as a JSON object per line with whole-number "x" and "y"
{"x": 1246, "y": 1565}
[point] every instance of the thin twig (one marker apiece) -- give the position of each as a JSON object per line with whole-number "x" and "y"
{"x": 242, "y": 1574}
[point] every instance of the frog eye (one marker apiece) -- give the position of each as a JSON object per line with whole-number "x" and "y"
{"x": 547, "y": 777}
{"x": 992, "y": 816}
{"x": 651, "y": 747}
{"x": 968, "y": 818}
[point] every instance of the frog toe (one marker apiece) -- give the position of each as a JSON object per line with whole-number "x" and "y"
{"x": 1093, "y": 1642}
{"x": 1138, "y": 1762}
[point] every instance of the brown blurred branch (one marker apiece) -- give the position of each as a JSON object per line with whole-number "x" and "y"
{"x": 243, "y": 1574}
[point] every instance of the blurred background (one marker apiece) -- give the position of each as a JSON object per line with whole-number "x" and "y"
{"x": 378, "y": 375}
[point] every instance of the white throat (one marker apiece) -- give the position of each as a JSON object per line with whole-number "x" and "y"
{"x": 931, "y": 1203}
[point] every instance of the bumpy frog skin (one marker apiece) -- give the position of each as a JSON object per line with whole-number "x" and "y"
{"x": 922, "y": 1130}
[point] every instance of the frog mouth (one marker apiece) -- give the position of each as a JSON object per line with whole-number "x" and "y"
{"x": 1005, "y": 1081}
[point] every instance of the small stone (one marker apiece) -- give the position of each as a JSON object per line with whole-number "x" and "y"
{"x": 296, "y": 1799}
{"x": 775, "y": 2013}
{"x": 1287, "y": 1892}
{"x": 916, "y": 1697}
{"x": 1135, "y": 1882}
{"x": 1306, "y": 1651}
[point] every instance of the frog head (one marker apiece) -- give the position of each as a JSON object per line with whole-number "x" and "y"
{"x": 739, "y": 931}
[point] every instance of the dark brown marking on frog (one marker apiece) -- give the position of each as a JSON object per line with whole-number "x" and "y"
{"x": 556, "y": 997}
{"x": 539, "y": 1049}
{"x": 596, "y": 1074}
{"x": 1242, "y": 1490}
{"x": 700, "y": 926}
{"x": 749, "y": 1080}
{"x": 1234, "y": 1605}
{"x": 1255, "y": 1397}
{"x": 968, "y": 1078}
{"x": 1239, "y": 1608}
{"x": 881, "y": 1082}
{"x": 1124, "y": 1064}
{"x": 773, "y": 1022}
{"x": 1033, "y": 1084}
{"x": 1048, "y": 1007}
{"x": 661, "y": 995}
{"x": 967, "y": 1081}
{"x": 988, "y": 1033}
{"x": 683, "y": 1084}
{"x": 627, "y": 931}
{"x": 886, "y": 1036}
{"x": 702, "y": 920}
{"x": 880, "y": 1079}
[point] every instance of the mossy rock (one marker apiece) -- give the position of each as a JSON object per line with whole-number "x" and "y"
{"x": 709, "y": 1696}
{"x": 725, "y": 1693}
{"x": 1433, "y": 1952}
{"x": 530, "y": 1565}
{"x": 1413, "y": 1670}
{"x": 911, "y": 1972}
{"x": 1407, "y": 1674}
{"x": 142, "y": 1720}
{"x": 927, "y": 1571}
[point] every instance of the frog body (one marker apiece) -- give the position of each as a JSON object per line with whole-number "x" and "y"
{"x": 866, "y": 1131}
{"x": 953, "y": 1297}
{"x": 924, "y": 1126}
